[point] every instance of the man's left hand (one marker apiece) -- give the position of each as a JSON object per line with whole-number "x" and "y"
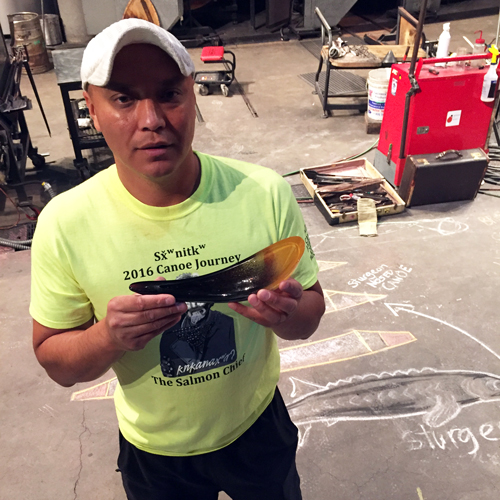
{"x": 271, "y": 307}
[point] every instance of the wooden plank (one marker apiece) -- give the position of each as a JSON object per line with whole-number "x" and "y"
{"x": 142, "y": 9}
{"x": 371, "y": 60}
{"x": 407, "y": 32}
{"x": 398, "y": 51}
{"x": 372, "y": 126}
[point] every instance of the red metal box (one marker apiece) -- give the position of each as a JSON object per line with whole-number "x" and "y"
{"x": 447, "y": 113}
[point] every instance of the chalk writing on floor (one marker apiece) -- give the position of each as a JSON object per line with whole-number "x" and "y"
{"x": 465, "y": 439}
{"x": 382, "y": 278}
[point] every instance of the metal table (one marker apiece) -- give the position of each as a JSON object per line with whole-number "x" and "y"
{"x": 67, "y": 65}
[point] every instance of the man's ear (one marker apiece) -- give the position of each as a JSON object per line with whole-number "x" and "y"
{"x": 91, "y": 107}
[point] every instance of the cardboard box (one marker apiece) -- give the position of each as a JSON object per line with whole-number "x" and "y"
{"x": 351, "y": 168}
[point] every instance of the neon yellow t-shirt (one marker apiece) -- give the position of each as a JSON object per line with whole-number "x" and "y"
{"x": 201, "y": 384}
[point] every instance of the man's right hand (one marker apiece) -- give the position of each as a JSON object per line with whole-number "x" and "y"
{"x": 133, "y": 320}
{"x": 86, "y": 352}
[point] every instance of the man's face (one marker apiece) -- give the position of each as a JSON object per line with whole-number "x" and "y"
{"x": 146, "y": 114}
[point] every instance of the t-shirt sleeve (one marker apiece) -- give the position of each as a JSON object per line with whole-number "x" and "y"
{"x": 291, "y": 223}
{"x": 57, "y": 300}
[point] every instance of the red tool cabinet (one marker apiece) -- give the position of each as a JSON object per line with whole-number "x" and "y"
{"x": 447, "y": 113}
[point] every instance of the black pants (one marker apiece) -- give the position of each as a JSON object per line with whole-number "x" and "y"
{"x": 259, "y": 465}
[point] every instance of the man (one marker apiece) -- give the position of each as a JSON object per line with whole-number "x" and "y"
{"x": 191, "y": 424}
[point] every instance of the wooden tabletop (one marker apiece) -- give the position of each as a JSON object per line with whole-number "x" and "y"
{"x": 369, "y": 56}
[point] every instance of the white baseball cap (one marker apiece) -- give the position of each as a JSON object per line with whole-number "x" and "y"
{"x": 100, "y": 53}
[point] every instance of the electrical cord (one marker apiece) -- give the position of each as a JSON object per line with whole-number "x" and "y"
{"x": 24, "y": 183}
{"x": 492, "y": 175}
{"x": 18, "y": 245}
{"x": 19, "y": 242}
{"x": 48, "y": 188}
{"x": 353, "y": 157}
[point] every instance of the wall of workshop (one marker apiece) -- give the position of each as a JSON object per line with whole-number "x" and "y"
{"x": 12, "y": 6}
{"x": 99, "y": 14}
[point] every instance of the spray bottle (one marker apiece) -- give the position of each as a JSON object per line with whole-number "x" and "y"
{"x": 443, "y": 43}
{"x": 479, "y": 48}
{"x": 490, "y": 78}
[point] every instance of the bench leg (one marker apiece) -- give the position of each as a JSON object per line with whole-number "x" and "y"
{"x": 320, "y": 67}
{"x": 326, "y": 114}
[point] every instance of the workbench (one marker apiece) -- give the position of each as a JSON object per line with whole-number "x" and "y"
{"x": 67, "y": 64}
{"x": 348, "y": 84}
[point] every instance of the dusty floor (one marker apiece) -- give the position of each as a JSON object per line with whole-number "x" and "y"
{"x": 439, "y": 361}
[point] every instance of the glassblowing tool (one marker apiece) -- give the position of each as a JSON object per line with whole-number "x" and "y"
{"x": 265, "y": 269}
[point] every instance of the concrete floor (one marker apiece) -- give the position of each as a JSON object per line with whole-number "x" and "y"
{"x": 440, "y": 318}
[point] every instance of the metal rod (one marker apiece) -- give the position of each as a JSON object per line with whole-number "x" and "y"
{"x": 35, "y": 91}
{"x": 405, "y": 125}
{"x": 418, "y": 36}
{"x": 198, "y": 114}
{"x": 498, "y": 29}
{"x": 468, "y": 57}
{"x": 411, "y": 76}
{"x": 324, "y": 26}
{"x": 322, "y": 18}
{"x": 43, "y": 23}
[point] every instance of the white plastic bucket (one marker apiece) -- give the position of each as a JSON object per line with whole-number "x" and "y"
{"x": 378, "y": 83}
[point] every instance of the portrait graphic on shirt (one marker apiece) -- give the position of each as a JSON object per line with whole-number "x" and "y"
{"x": 202, "y": 340}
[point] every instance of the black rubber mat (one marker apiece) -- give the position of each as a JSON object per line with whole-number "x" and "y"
{"x": 342, "y": 83}
{"x": 300, "y": 191}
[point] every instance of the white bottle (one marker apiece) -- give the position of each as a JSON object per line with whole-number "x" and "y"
{"x": 479, "y": 48}
{"x": 443, "y": 44}
{"x": 490, "y": 78}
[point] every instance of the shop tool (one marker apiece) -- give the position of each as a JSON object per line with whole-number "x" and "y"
{"x": 337, "y": 188}
{"x": 222, "y": 78}
{"x": 15, "y": 141}
{"x": 445, "y": 112}
{"x": 431, "y": 111}
{"x": 265, "y": 269}
{"x": 347, "y": 201}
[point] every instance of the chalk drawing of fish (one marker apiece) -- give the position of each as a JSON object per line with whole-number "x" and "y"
{"x": 438, "y": 395}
